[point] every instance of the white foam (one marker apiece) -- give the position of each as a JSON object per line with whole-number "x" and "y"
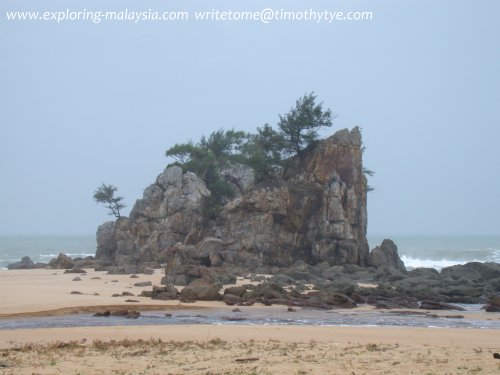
{"x": 412, "y": 263}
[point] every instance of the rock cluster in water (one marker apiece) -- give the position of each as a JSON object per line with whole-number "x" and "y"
{"x": 326, "y": 286}
{"x": 62, "y": 261}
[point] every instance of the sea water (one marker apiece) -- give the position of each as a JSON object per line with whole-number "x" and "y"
{"x": 438, "y": 251}
{"x": 44, "y": 248}
{"x": 262, "y": 316}
{"x": 415, "y": 251}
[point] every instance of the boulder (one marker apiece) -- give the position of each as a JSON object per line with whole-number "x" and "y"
{"x": 164, "y": 293}
{"x": 237, "y": 291}
{"x": 337, "y": 300}
{"x": 76, "y": 270}
{"x": 25, "y": 264}
{"x": 201, "y": 289}
{"x": 299, "y": 271}
{"x": 106, "y": 314}
{"x": 358, "y": 298}
{"x": 386, "y": 255}
{"x": 473, "y": 271}
{"x": 61, "y": 262}
{"x": 130, "y": 314}
{"x": 230, "y": 299}
{"x": 143, "y": 284}
{"x": 493, "y": 304}
{"x": 393, "y": 302}
{"x": 87, "y": 262}
{"x": 267, "y": 291}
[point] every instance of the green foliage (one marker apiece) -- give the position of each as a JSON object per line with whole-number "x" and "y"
{"x": 224, "y": 145}
{"x": 192, "y": 158}
{"x": 299, "y": 127}
{"x": 206, "y": 158}
{"x": 370, "y": 173}
{"x": 264, "y": 151}
{"x": 210, "y": 207}
{"x": 105, "y": 194}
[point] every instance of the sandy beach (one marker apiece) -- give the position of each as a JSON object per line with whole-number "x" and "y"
{"x": 213, "y": 349}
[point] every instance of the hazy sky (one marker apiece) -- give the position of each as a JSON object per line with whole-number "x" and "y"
{"x": 84, "y": 103}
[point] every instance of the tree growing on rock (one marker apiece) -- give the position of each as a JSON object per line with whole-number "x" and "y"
{"x": 264, "y": 151}
{"x": 105, "y": 194}
{"x": 299, "y": 127}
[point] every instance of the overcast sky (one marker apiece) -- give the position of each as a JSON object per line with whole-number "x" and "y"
{"x": 84, "y": 103}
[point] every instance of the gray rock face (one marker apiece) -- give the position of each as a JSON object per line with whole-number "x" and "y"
{"x": 165, "y": 293}
{"x": 168, "y": 213}
{"x": 25, "y": 264}
{"x": 314, "y": 211}
{"x": 241, "y": 176}
{"x": 61, "y": 262}
{"x": 201, "y": 289}
{"x": 493, "y": 304}
{"x": 473, "y": 271}
{"x": 386, "y": 255}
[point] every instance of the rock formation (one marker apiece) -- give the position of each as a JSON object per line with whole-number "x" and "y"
{"x": 61, "y": 262}
{"x": 386, "y": 255}
{"x": 313, "y": 210}
{"x": 24, "y": 264}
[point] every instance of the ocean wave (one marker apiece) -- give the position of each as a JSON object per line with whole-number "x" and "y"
{"x": 412, "y": 263}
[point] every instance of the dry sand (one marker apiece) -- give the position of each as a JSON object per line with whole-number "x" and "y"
{"x": 214, "y": 349}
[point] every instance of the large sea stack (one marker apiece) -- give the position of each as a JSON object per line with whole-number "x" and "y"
{"x": 312, "y": 210}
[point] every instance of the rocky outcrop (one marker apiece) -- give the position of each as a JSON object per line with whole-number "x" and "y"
{"x": 61, "y": 262}
{"x": 164, "y": 293}
{"x": 386, "y": 255}
{"x": 25, "y": 264}
{"x": 168, "y": 213}
{"x": 493, "y": 304}
{"x": 314, "y": 210}
{"x": 473, "y": 271}
{"x": 200, "y": 289}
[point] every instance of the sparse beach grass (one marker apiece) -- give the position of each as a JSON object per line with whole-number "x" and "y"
{"x": 218, "y": 356}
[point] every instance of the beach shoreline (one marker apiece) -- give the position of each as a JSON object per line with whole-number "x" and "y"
{"x": 52, "y": 292}
{"x": 212, "y": 348}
